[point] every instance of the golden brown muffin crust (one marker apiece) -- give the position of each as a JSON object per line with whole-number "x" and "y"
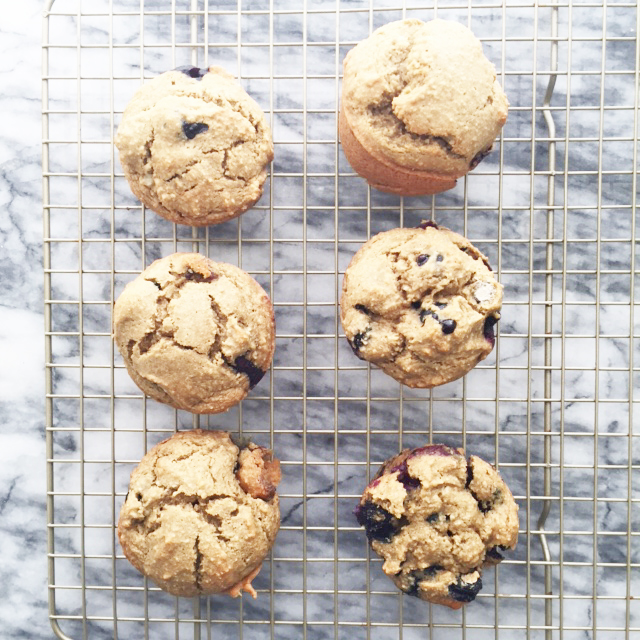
{"x": 421, "y": 304}
{"x": 194, "y": 333}
{"x": 436, "y": 520}
{"x": 195, "y": 148}
{"x": 420, "y": 106}
{"x": 187, "y": 522}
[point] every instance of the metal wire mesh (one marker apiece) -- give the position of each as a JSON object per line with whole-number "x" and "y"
{"x": 553, "y": 407}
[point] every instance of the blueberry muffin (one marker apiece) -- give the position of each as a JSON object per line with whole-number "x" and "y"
{"x": 194, "y": 146}
{"x": 421, "y": 304}
{"x": 437, "y": 519}
{"x": 201, "y": 514}
{"x": 420, "y": 106}
{"x": 194, "y": 333}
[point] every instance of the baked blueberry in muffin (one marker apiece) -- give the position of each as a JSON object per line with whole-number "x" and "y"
{"x": 437, "y": 519}
{"x": 194, "y": 146}
{"x": 427, "y": 316}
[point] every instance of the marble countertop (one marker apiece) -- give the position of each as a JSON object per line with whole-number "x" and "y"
{"x": 23, "y": 570}
{"x": 325, "y": 444}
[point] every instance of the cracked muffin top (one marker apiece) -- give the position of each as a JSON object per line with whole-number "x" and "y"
{"x": 437, "y": 519}
{"x": 194, "y": 146}
{"x": 194, "y": 333}
{"x": 421, "y": 304}
{"x": 423, "y": 96}
{"x": 201, "y": 513}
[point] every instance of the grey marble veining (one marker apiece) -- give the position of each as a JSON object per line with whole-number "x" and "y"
{"x": 23, "y": 612}
{"x": 331, "y": 444}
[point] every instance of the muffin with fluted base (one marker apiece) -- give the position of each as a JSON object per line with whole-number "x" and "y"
{"x": 420, "y": 106}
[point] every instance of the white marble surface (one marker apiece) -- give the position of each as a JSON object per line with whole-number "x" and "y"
{"x": 23, "y": 604}
{"x": 334, "y": 439}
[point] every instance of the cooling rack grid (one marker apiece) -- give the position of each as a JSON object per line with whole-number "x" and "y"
{"x": 554, "y": 406}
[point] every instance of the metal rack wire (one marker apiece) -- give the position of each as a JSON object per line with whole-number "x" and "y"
{"x": 553, "y": 407}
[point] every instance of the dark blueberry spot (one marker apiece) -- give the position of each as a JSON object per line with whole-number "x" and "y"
{"x": 412, "y": 587}
{"x": 494, "y": 553}
{"x": 440, "y": 258}
{"x": 358, "y": 339}
{"x": 441, "y": 305}
{"x": 422, "y": 259}
{"x": 485, "y": 505}
{"x": 433, "y": 518}
{"x": 478, "y": 158}
{"x": 488, "y": 331}
{"x": 430, "y": 572}
{"x": 427, "y": 223}
{"x": 192, "y": 72}
{"x": 465, "y": 592}
{"x": 363, "y": 309}
{"x": 192, "y": 129}
{"x": 448, "y": 326}
{"x": 253, "y": 372}
{"x": 356, "y": 350}
{"x": 416, "y": 304}
{"x": 194, "y": 276}
{"x": 379, "y": 524}
{"x": 417, "y": 576}
{"x": 425, "y": 313}
{"x": 408, "y": 482}
{"x": 138, "y": 496}
{"x": 469, "y": 475}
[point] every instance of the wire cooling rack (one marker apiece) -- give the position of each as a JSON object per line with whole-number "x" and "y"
{"x": 553, "y": 406}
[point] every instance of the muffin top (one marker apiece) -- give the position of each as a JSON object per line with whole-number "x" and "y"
{"x": 194, "y": 333}
{"x": 421, "y": 304}
{"x": 423, "y": 96}
{"x": 437, "y": 519}
{"x": 194, "y": 146}
{"x": 201, "y": 513}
